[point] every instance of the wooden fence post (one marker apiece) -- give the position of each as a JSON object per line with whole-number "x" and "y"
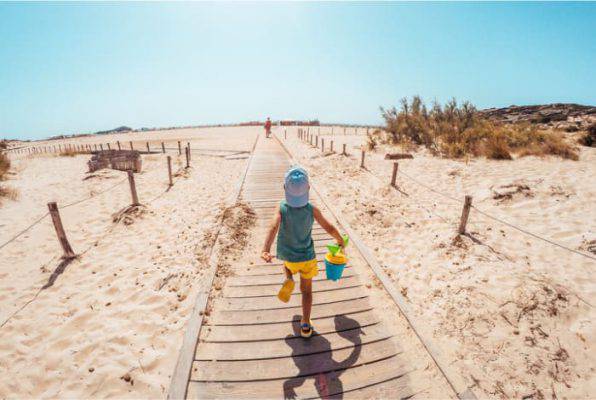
{"x": 187, "y": 153}
{"x": 163, "y": 148}
{"x": 285, "y": 133}
{"x": 130, "y": 143}
{"x": 179, "y": 149}
{"x": 188, "y": 146}
{"x": 118, "y": 143}
{"x": 170, "y": 170}
{"x": 322, "y": 145}
{"x": 55, "y": 214}
{"x": 464, "y": 215}
{"x": 343, "y": 152}
{"x": 332, "y": 146}
{"x": 133, "y": 188}
{"x": 109, "y": 148}
{"x": 148, "y": 151}
{"x": 101, "y": 147}
{"x": 362, "y": 160}
{"x": 317, "y": 141}
{"x": 394, "y": 174}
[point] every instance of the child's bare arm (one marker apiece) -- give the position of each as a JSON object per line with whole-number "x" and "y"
{"x": 273, "y": 227}
{"x": 328, "y": 226}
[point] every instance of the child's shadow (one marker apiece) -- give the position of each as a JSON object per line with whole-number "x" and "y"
{"x": 328, "y": 384}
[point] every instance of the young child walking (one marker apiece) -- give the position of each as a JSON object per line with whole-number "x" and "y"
{"x": 293, "y": 224}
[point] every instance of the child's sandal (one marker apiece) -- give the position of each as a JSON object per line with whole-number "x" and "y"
{"x": 286, "y": 290}
{"x": 306, "y": 330}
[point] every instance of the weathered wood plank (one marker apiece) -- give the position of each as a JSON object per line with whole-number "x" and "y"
{"x": 289, "y": 367}
{"x": 230, "y": 351}
{"x": 280, "y": 330}
{"x": 347, "y": 307}
{"x": 271, "y": 303}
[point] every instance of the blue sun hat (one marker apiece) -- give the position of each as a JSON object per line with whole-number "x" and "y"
{"x": 296, "y": 186}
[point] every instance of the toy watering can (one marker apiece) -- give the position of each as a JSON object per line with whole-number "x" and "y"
{"x": 335, "y": 260}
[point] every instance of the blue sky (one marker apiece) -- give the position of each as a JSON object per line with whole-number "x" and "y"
{"x": 83, "y": 67}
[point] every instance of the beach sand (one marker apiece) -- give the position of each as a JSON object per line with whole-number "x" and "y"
{"x": 514, "y": 314}
{"x": 110, "y": 323}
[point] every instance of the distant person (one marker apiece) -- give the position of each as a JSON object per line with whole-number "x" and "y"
{"x": 268, "y": 127}
{"x": 293, "y": 224}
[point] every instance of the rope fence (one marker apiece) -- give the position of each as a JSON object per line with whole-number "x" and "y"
{"x": 308, "y": 138}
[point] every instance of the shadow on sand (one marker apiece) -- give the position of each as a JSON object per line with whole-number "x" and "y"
{"x": 318, "y": 363}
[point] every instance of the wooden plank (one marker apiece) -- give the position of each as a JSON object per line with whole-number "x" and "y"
{"x": 329, "y": 385}
{"x": 275, "y": 268}
{"x": 235, "y": 351}
{"x": 289, "y": 367}
{"x": 273, "y": 280}
{"x": 280, "y": 330}
{"x": 346, "y": 307}
{"x": 271, "y": 290}
{"x": 271, "y": 303}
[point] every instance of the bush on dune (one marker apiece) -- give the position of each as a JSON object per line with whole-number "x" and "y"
{"x": 457, "y": 131}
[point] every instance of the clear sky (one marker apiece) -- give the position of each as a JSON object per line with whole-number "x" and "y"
{"x": 83, "y": 67}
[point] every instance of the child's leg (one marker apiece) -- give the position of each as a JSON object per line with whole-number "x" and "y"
{"x": 306, "y": 289}
{"x": 288, "y": 273}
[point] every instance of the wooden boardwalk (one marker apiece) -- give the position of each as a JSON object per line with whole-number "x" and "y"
{"x": 250, "y": 348}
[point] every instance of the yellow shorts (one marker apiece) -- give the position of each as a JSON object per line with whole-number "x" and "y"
{"x": 308, "y": 269}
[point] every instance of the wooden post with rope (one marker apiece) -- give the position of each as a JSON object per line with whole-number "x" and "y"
{"x": 464, "y": 215}
{"x": 170, "y": 171}
{"x": 55, "y": 214}
{"x": 133, "y": 188}
{"x": 394, "y": 174}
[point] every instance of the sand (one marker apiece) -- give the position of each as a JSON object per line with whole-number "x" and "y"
{"x": 513, "y": 313}
{"x": 110, "y": 323}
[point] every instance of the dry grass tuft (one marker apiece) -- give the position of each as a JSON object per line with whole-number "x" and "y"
{"x": 457, "y": 131}
{"x": 9, "y": 193}
{"x": 4, "y": 166}
{"x": 589, "y": 138}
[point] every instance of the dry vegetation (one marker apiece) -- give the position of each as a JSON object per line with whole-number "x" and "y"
{"x": 71, "y": 153}
{"x": 6, "y": 191}
{"x": 589, "y": 139}
{"x": 457, "y": 131}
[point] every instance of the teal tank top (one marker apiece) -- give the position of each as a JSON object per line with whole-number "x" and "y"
{"x": 294, "y": 238}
